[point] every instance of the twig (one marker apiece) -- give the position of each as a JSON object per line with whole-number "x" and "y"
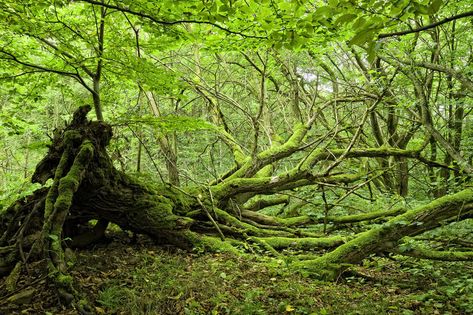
{"x": 222, "y": 237}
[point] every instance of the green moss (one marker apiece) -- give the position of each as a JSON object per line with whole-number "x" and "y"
{"x": 53, "y": 190}
{"x": 260, "y": 202}
{"x": 64, "y": 280}
{"x": 292, "y": 143}
{"x": 320, "y": 270}
{"x": 427, "y": 253}
{"x": 239, "y": 156}
{"x": 307, "y": 243}
{"x": 70, "y": 136}
{"x": 215, "y": 244}
{"x": 245, "y": 227}
{"x": 57, "y": 206}
{"x": 366, "y": 216}
{"x": 295, "y": 221}
{"x": 208, "y": 243}
{"x": 238, "y": 153}
{"x": 311, "y": 159}
{"x": 386, "y": 236}
{"x": 265, "y": 171}
{"x": 344, "y": 178}
{"x": 252, "y": 166}
{"x": 68, "y": 184}
{"x": 179, "y": 200}
{"x": 12, "y": 279}
{"x": 238, "y": 185}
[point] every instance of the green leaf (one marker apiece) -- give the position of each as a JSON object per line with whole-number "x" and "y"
{"x": 421, "y": 9}
{"x": 346, "y": 18}
{"x": 324, "y": 11}
{"x": 362, "y": 37}
{"x": 435, "y": 6}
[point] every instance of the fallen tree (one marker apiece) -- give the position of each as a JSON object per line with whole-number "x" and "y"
{"x": 86, "y": 186}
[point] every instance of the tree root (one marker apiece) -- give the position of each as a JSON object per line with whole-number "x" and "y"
{"x": 58, "y": 203}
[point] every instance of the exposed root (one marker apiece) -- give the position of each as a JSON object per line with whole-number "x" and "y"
{"x": 57, "y": 207}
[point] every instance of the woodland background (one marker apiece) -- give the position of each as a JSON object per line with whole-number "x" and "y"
{"x": 354, "y": 112}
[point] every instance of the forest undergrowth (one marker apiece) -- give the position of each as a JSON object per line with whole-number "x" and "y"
{"x": 135, "y": 276}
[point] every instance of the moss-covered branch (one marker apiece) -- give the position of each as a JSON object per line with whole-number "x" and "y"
{"x": 423, "y": 253}
{"x": 305, "y": 243}
{"x": 229, "y": 140}
{"x": 363, "y": 216}
{"x": 305, "y": 220}
{"x": 57, "y": 207}
{"x": 303, "y": 174}
{"x": 273, "y": 154}
{"x": 258, "y": 203}
{"x": 288, "y": 180}
{"x": 384, "y": 151}
{"x": 386, "y": 236}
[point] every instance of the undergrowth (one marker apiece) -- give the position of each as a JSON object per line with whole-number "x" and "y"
{"x": 176, "y": 282}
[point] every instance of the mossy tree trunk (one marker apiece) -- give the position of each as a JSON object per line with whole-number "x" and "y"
{"x": 86, "y": 185}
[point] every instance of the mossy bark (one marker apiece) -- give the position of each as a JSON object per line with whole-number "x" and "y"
{"x": 58, "y": 203}
{"x": 431, "y": 254}
{"x": 387, "y": 236}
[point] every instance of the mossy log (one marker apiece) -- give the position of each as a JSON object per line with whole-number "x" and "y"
{"x": 86, "y": 186}
{"x": 432, "y": 254}
{"x": 387, "y": 236}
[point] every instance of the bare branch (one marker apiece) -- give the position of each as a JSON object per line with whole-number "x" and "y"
{"x": 427, "y": 27}
{"x": 40, "y": 68}
{"x": 170, "y": 23}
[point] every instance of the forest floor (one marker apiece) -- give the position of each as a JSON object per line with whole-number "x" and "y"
{"x": 125, "y": 277}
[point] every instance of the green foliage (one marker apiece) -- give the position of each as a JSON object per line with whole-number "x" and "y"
{"x": 14, "y": 190}
{"x": 12, "y": 126}
{"x": 454, "y": 286}
{"x": 170, "y": 123}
